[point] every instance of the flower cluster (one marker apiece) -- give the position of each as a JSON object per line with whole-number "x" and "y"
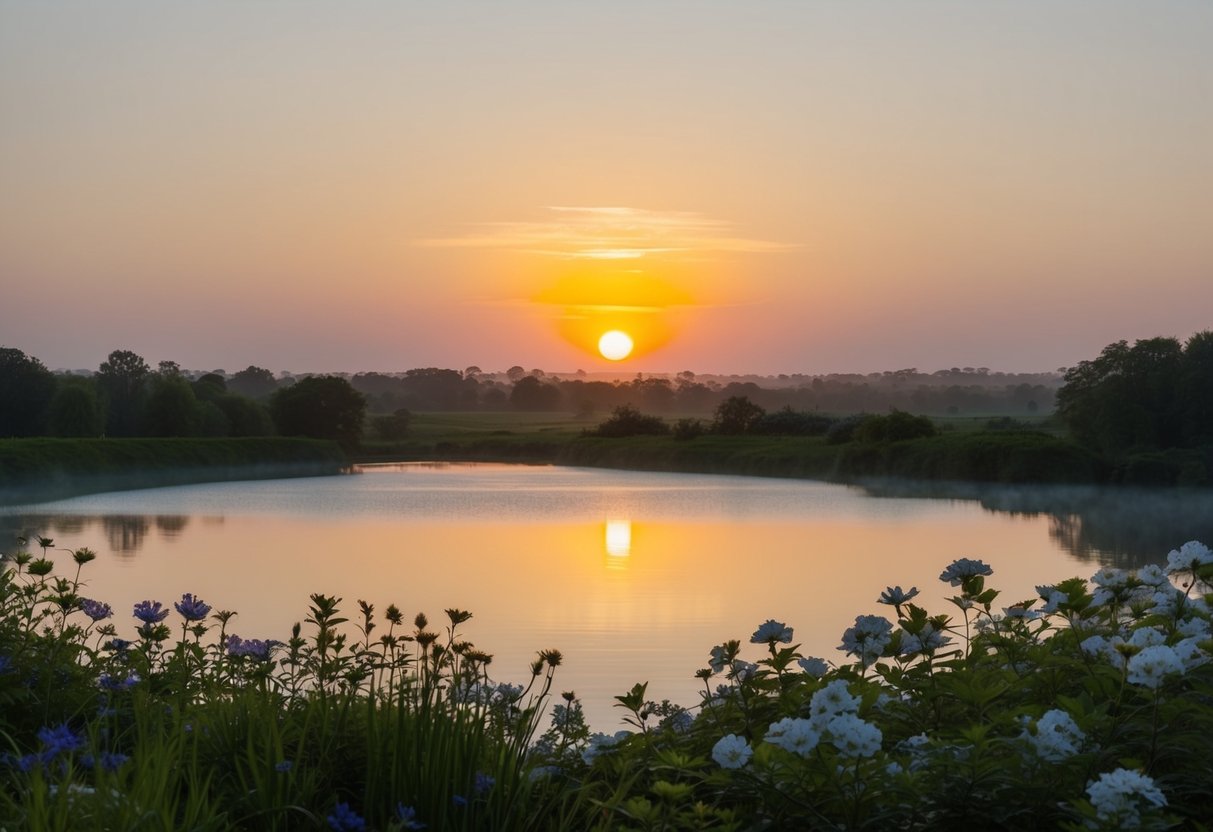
{"x": 253, "y": 648}
{"x": 962, "y": 568}
{"x": 95, "y": 610}
{"x": 150, "y": 612}
{"x": 732, "y": 751}
{"x": 1119, "y": 796}
{"x": 1056, "y": 737}
{"x": 868, "y": 638}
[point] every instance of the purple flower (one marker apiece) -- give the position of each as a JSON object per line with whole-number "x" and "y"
{"x": 345, "y": 819}
{"x": 483, "y": 783}
{"x": 254, "y": 648}
{"x": 59, "y": 739}
{"x": 108, "y": 761}
{"x": 459, "y": 800}
{"x": 118, "y": 644}
{"x": 407, "y": 816}
{"x": 150, "y": 612}
{"x": 95, "y": 610}
{"x": 191, "y": 608}
{"x": 114, "y": 684}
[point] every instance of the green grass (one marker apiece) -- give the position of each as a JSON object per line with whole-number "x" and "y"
{"x": 32, "y": 469}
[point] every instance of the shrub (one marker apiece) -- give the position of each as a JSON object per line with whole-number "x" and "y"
{"x": 789, "y": 422}
{"x": 896, "y": 426}
{"x": 626, "y": 420}
{"x": 688, "y": 429}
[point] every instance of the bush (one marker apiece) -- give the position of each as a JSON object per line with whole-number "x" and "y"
{"x": 896, "y": 426}
{"x": 688, "y": 429}
{"x": 843, "y": 430}
{"x": 626, "y": 420}
{"x": 789, "y": 422}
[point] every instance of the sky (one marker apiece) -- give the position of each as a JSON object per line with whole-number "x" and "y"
{"x": 743, "y": 187}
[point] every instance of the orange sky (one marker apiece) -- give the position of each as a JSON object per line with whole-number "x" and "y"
{"x": 816, "y": 187}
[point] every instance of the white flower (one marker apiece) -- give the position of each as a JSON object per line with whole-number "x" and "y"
{"x": 1118, "y": 797}
{"x": 1153, "y": 575}
{"x": 868, "y": 638}
{"x": 831, "y": 701}
{"x": 1094, "y": 646}
{"x": 893, "y": 769}
{"x": 1147, "y": 637}
{"x": 1057, "y": 736}
{"x": 795, "y": 735}
{"x": 772, "y": 631}
{"x": 1153, "y": 663}
{"x": 854, "y": 737}
{"x": 962, "y": 568}
{"x": 895, "y": 595}
{"x": 1193, "y": 628}
{"x": 927, "y": 641}
{"x": 732, "y": 751}
{"x": 814, "y": 666}
{"x": 1110, "y": 578}
{"x": 1053, "y": 599}
{"x": 1021, "y": 612}
{"x": 1189, "y": 557}
{"x": 719, "y": 655}
{"x": 1189, "y": 652}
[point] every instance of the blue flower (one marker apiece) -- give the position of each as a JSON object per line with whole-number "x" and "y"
{"x": 6, "y": 664}
{"x": 59, "y": 739}
{"x": 284, "y": 766}
{"x": 459, "y": 800}
{"x": 345, "y": 819}
{"x": 108, "y": 761}
{"x": 114, "y": 684}
{"x": 254, "y": 648}
{"x": 483, "y": 783}
{"x": 95, "y": 610}
{"x": 191, "y": 608}
{"x": 118, "y": 644}
{"x": 407, "y": 816}
{"x": 150, "y": 612}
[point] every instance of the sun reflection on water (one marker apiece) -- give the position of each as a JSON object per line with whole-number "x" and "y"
{"x": 618, "y": 539}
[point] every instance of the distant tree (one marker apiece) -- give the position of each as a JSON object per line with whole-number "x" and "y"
{"x": 254, "y": 382}
{"x": 894, "y": 427}
{"x": 321, "y": 407}
{"x": 75, "y": 409}
{"x": 169, "y": 368}
{"x": 735, "y": 415}
{"x": 530, "y": 393}
{"x": 209, "y": 387}
{"x": 211, "y": 421}
{"x": 26, "y": 388}
{"x": 122, "y": 382}
{"x": 171, "y": 409}
{"x": 393, "y": 427}
{"x": 514, "y": 373}
{"x": 245, "y": 417}
{"x": 472, "y": 372}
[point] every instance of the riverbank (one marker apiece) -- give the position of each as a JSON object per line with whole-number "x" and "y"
{"x": 35, "y": 470}
{"x": 1010, "y": 457}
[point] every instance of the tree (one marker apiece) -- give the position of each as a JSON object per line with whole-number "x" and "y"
{"x": 1126, "y": 398}
{"x": 736, "y": 414}
{"x": 254, "y": 382}
{"x": 172, "y": 408}
{"x": 122, "y": 382}
{"x": 628, "y": 421}
{"x": 26, "y": 388}
{"x": 530, "y": 393}
{"x": 74, "y": 409}
{"x": 321, "y": 407}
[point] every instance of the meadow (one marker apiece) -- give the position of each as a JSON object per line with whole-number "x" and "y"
{"x": 1086, "y": 707}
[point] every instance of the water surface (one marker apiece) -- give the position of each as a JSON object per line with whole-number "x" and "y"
{"x": 633, "y": 576}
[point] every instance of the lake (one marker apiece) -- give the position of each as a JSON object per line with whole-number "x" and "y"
{"x": 633, "y": 576}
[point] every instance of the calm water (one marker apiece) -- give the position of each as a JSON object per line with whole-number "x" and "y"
{"x": 634, "y": 576}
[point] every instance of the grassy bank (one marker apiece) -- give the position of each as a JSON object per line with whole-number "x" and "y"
{"x": 42, "y": 469}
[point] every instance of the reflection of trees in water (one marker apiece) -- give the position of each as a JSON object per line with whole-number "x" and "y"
{"x": 1121, "y": 527}
{"x": 171, "y": 525}
{"x": 125, "y": 533}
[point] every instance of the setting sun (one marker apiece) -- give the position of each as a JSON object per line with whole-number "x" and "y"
{"x": 615, "y": 345}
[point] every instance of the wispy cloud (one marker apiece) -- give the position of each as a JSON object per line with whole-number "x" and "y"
{"x": 613, "y": 233}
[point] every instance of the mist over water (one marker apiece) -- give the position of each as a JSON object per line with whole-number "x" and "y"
{"x": 634, "y": 576}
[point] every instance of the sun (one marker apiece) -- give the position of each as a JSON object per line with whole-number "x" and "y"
{"x": 615, "y": 345}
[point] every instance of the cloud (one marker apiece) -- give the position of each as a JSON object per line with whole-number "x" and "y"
{"x": 613, "y": 233}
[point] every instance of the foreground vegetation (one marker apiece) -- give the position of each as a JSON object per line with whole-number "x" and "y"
{"x": 1087, "y": 707}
